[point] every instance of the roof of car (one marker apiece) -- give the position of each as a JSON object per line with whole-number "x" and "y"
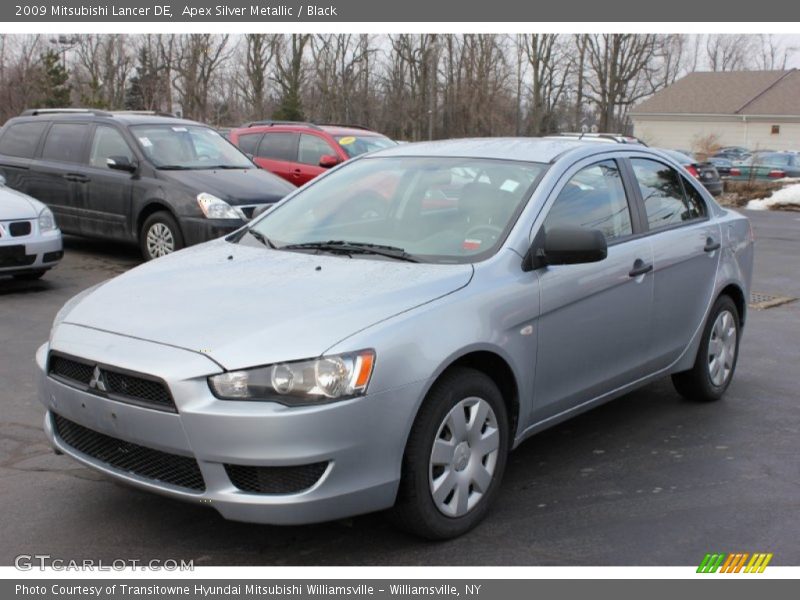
{"x": 329, "y": 128}
{"x": 542, "y": 150}
{"x": 125, "y": 117}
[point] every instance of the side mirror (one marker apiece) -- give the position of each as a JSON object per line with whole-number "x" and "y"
{"x": 326, "y": 161}
{"x": 565, "y": 246}
{"x": 121, "y": 163}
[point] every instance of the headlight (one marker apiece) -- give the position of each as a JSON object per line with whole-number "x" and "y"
{"x": 47, "y": 222}
{"x": 216, "y": 208}
{"x": 322, "y": 379}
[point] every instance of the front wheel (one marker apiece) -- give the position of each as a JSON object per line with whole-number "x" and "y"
{"x": 716, "y": 358}
{"x": 160, "y": 236}
{"x": 455, "y": 457}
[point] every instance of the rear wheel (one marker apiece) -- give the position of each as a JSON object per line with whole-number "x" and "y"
{"x": 160, "y": 235}
{"x": 455, "y": 457}
{"x": 716, "y": 358}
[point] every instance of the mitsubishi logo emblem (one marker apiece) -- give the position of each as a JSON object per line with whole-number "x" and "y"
{"x": 97, "y": 382}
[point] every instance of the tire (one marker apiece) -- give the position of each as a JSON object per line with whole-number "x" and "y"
{"x": 477, "y": 399}
{"x": 33, "y": 276}
{"x": 160, "y": 235}
{"x": 712, "y": 371}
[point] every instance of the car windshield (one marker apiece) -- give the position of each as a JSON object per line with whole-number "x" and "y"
{"x": 428, "y": 209}
{"x": 354, "y": 145}
{"x": 188, "y": 147}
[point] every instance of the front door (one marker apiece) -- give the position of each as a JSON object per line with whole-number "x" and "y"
{"x": 595, "y": 320}
{"x": 109, "y": 191}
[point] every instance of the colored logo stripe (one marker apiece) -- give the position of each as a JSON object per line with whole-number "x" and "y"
{"x": 734, "y": 562}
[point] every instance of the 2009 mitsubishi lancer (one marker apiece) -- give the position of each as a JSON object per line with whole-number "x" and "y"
{"x": 387, "y": 334}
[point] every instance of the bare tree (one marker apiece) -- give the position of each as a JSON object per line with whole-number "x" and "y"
{"x": 290, "y": 74}
{"x": 550, "y": 69}
{"x": 198, "y": 60}
{"x": 253, "y": 84}
{"x": 622, "y": 69}
{"x": 729, "y": 52}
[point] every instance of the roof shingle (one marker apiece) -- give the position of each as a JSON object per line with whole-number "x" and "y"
{"x": 728, "y": 93}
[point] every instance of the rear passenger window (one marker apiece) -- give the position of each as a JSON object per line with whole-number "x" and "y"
{"x": 64, "y": 142}
{"x": 278, "y": 146}
{"x": 665, "y": 201}
{"x": 249, "y": 142}
{"x": 21, "y": 139}
{"x": 594, "y": 198}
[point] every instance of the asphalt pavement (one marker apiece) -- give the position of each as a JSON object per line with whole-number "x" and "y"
{"x": 648, "y": 479}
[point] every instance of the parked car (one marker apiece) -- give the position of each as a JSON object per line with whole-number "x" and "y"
{"x": 163, "y": 182}
{"x": 30, "y": 241}
{"x": 722, "y": 165}
{"x": 320, "y": 363}
{"x": 704, "y": 171}
{"x": 767, "y": 165}
{"x": 298, "y": 152}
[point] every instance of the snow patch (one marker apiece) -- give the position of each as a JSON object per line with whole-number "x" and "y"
{"x": 787, "y": 195}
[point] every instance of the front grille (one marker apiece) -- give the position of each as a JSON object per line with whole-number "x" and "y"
{"x": 19, "y": 228}
{"x": 71, "y": 369}
{"x": 115, "y": 385}
{"x": 14, "y": 256}
{"x": 52, "y": 256}
{"x": 275, "y": 480}
{"x": 180, "y": 471}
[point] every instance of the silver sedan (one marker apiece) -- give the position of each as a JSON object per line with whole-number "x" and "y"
{"x": 30, "y": 241}
{"x": 385, "y": 335}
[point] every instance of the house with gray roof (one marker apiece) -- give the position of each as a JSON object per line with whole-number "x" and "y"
{"x": 754, "y": 109}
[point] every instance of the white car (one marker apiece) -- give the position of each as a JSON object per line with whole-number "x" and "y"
{"x": 30, "y": 240}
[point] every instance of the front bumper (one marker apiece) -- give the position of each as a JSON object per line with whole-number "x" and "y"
{"x": 42, "y": 252}
{"x": 361, "y": 440}
{"x": 199, "y": 230}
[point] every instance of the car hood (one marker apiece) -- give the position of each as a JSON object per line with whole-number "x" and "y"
{"x": 235, "y": 186}
{"x": 245, "y": 306}
{"x": 14, "y": 205}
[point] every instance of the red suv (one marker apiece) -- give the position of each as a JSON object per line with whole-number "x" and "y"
{"x": 298, "y": 152}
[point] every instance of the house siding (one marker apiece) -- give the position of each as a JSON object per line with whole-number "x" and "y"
{"x": 683, "y": 131}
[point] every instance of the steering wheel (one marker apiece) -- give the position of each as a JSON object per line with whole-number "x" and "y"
{"x": 493, "y": 230}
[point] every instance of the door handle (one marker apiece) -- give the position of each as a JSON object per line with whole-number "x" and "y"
{"x": 640, "y": 268}
{"x": 711, "y": 245}
{"x": 76, "y": 177}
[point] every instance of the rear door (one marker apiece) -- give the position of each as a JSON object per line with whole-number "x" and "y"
{"x": 108, "y": 209}
{"x": 18, "y": 146}
{"x": 686, "y": 251}
{"x": 57, "y": 176}
{"x": 595, "y": 319}
{"x": 277, "y": 153}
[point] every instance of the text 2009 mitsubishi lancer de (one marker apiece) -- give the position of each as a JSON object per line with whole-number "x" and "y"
{"x": 388, "y": 333}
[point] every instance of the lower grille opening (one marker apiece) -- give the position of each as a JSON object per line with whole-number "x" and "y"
{"x": 275, "y": 480}
{"x": 180, "y": 471}
{"x": 51, "y": 256}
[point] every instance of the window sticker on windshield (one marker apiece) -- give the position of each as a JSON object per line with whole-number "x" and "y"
{"x": 181, "y": 129}
{"x": 509, "y": 185}
{"x": 471, "y": 244}
{"x": 145, "y": 142}
{"x": 345, "y": 141}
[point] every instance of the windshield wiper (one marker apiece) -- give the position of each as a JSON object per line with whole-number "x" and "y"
{"x": 226, "y": 167}
{"x": 262, "y": 238}
{"x": 174, "y": 168}
{"x": 345, "y": 247}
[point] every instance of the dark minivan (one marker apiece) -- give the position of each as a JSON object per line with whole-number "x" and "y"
{"x": 157, "y": 180}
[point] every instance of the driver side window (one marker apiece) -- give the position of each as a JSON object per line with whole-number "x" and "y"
{"x": 593, "y": 198}
{"x": 108, "y": 142}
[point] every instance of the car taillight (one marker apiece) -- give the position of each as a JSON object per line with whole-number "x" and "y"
{"x": 776, "y": 174}
{"x": 693, "y": 171}
{"x": 735, "y": 172}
